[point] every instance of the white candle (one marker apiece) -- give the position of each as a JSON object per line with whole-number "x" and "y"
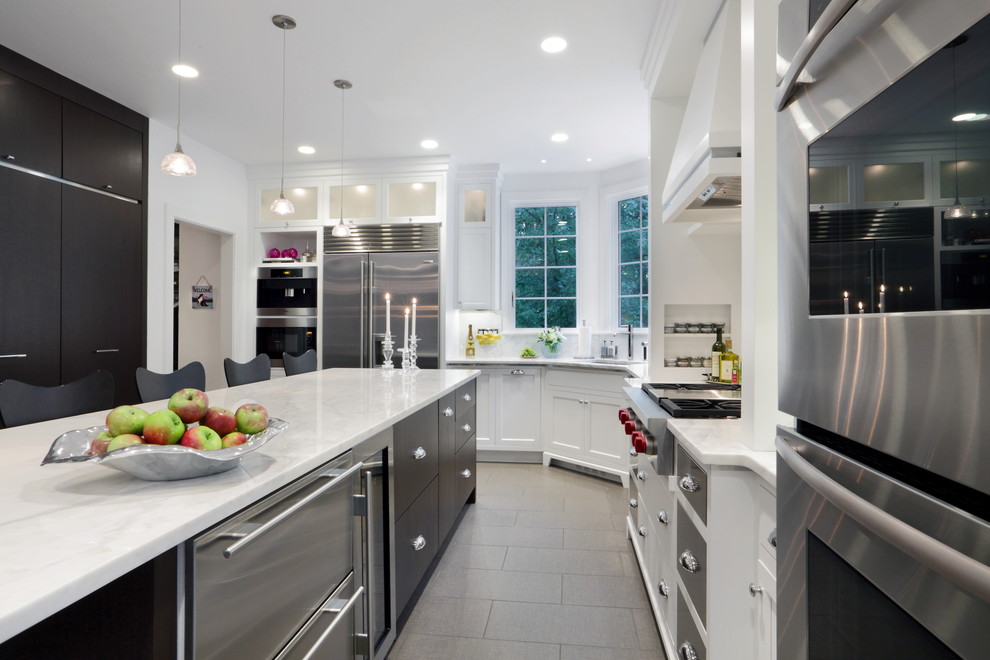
{"x": 845, "y": 302}
{"x": 388, "y": 313}
{"x": 405, "y": 332}
{"x": 413, "y": 317}
{"x": 860, "y": 307}
{"x": 883, "y": 291}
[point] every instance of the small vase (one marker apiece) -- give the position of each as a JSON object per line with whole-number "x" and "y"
{"x": 549, "y": 351}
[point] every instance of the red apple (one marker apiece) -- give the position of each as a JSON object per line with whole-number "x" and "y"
{"x": 251, "y": 418}
{"x": 220, "y": 420}
{"x": 201, "y": 437}
{"x": 233, "y": 439}
{"x": 126, "y": 419}
{"x": 163, "y": 427}
{"x": 98, "y": 445}
{"x": 189, "y": 404}
{"x": 124, "y": 440}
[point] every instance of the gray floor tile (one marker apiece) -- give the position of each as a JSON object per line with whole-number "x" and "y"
{"x": 598, "y": 653}
{"x": 596, "y": 539}
{"x": 560, "y": 624}
{"x": 521, "y": 503}
{"x": 459, "y": 555}
{"x": 551, "y": 560}
{"x": 432, "y": 647}
{"x": 646, "y": 630}
{"x": 513, "y": 586}
{"x": 454, "y": 617}
{"x": 605, "y": 591}
{"x": 493, "y": 517}
{"x": 560, "y": 519}
{"x": 630, "y": 567}
{"x": 522, "y": 537}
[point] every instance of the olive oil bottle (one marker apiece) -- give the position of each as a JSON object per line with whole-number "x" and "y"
{"x": 730, "y": 365}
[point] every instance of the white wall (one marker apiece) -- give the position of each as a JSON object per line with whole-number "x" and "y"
{"x": 216, "y": 199}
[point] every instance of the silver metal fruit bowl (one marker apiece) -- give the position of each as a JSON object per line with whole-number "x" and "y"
{"x": 158, "y": 462}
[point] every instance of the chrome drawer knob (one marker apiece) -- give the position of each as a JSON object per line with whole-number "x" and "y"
{"x": 633, "y": 452}
{"x": 687, "y": 652}
{"x": 8, "y": 157}
{"x": 663, "y": 588}
{"x": 633, "y": 503}
{"x": 419, "y": 453}
{"x": 642, "y": 530}
{"x": 689, "y": 484}
{"x": 662, "y": 517}
{"x": 448, "y": 412}
{"x": 518, "y": 372}
{"x": 772, "y": 539}
{"x": 754, "y": 590}
{"x": 467, "y": 397}
{"x": 419, "y": 543}
{"x": 466, "y": 428}
{"x": 641, "y": 475}
{"x": 689, "y": 562}
{"x": 466, "y": 473}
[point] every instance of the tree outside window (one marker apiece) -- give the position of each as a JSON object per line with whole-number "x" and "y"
{"x": 546, "y": 266}
{"x": 634, "y": 264}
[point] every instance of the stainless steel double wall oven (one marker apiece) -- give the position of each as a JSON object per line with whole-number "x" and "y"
{"x": 884, "y": 212}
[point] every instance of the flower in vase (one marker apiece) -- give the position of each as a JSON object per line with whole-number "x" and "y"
{"x": 551, "y": 338}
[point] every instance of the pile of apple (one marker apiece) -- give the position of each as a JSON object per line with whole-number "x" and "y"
{"x": 189, "y": 420}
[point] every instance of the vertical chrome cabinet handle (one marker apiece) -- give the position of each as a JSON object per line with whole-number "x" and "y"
{"x": 754, "y": 590}
{"x": 466, "y": 473}
{"x": 419, "y": 543}
{"x": 633, "y": 503}
{"x": 663, "y": 588}
{"x": 448, "y": 412}
{"x": 689, "y": 562}
{"x": 642, "y": 530}
{"x": 466, "y": 428}
{"x": 467, "y": 396}
{"x": 662, "y": 517}
{"x": 14, "y": 355}
{"x": 518, "y": 372}
{"x": 687, "y": 652}
{"x": 689, "y": 484}
{"x": 419, "y": 453}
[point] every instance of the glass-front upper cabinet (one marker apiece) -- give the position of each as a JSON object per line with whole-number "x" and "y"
{"x": 360, "y": 203}
{"x": 412, "y": 200}
{"x": 830, "y": 185}
{"x": 305, "y": 202}
{"x": 894, "y": 181}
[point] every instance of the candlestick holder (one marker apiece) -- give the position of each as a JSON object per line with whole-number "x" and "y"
{"x": 405, "y": 358}
{"x": 413, "y": 341}
{"x": 387, "y": 351}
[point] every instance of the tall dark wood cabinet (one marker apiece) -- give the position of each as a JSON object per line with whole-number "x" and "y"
{"x": 73, "y": 230}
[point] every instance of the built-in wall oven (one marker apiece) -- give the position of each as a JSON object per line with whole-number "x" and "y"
{"x": 884, "y": 227}
{"x": 287, "y": 310}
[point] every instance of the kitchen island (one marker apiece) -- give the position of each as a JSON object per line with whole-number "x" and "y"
{"x": 66, "y": 530}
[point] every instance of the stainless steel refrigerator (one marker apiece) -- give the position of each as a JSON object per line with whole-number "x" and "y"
{"x": 402, "y": 260}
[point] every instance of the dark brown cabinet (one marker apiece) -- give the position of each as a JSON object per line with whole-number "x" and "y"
{"x": 101, "y": 153}
{"x": 415, "y": 442}
{"x": 417, "y": 540}
{"x": 30, "y": 275}
{"x": 30, "y": 125}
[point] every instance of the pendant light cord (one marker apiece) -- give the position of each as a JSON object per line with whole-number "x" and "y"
{"x": 282, "y": 178}
{"x": 342, "y": 94}
{"x": 178, "y": 103}
{"x": 955, "y": 124}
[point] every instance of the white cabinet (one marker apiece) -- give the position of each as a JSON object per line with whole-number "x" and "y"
{"x": 477, "y": 240}
{"x": 510, "y": 410}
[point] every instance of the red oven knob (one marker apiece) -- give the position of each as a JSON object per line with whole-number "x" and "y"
{"x": 639, "y": 442}
{"x": 624, "y": 415}
{"x": 630, "y": 426}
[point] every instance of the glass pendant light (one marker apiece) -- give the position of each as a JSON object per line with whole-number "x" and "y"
{"x": 178, "y": 163}
{"x": 341, "y": 229}
{"x": 282, "y": 206}
{"x": 958, "y": 209}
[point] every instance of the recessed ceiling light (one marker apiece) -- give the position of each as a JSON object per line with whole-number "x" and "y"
{"x": 361, "y": 188}
{"x": 553, "y": 44}
{"x": 560, "y": 137}
{"x": 306, "y": 149}
{"x": 543, "y": 161}
{"x": 185, "y": 71}
{"x": 971, "y": 116}
{"x": 429, "y": 144}
{"x": 589, "y": 160}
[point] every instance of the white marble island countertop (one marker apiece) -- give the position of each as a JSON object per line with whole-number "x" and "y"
{"x": 719, "y": 442}
{"x": 68, "y": 529}
{"x": 632, "y": 369}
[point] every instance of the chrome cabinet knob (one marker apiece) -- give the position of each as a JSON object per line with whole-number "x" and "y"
{"x": 448, "y": 412}
{"x": 9, "y": 157}
{"x": 663, "y": 588}
{"x": 108, "y": 187}
{"x": 466, "y": 397}
{"x": 689, "y": 484}
{"x": 419, "y": 453}
{"x": 466, "y": 428}
{"x": 642, "y": 530}
{"x": 689, "y": 562}
{"x": 687, "y": 652}
{"x": 419, "y": 543}
{"x": 633, "y": 452}
{"x": 466, "y": 473}
{"x": 772, "y": 539}
{"x": 641, "y": 475}
{"x": 754, "y": 590}
{"x": 662, "y": 517}
{"x": 633, "y": 503}
{"x": 518, "y": 372}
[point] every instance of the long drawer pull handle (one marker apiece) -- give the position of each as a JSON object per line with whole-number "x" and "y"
{"x": 466, "y": 428}
{"x": 14, "y": 355}
{"x": 341, "y": 615}
{"x": 633, "y": 503}
{"x": 233, "y": 548}
{"x": 663, "y": 588}
{"x": 448, "y": 412}
{"x": 689, "y": 562}
{"x": 687, "y": 652}
{"x": 518, "y": 372}
{"x": 419, "y": 543}
{"x": 466, "y": 473}
{"x": 662, "y": 517}
{"x": 689, "y": 484}
{"x": 419, "y": 453}
{"x": 107, "y": 350}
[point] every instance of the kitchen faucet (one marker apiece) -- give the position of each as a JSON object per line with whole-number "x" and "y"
{"x": 629, "y": 349}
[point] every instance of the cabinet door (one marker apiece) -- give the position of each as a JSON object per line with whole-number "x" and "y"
{"x": 29, "y": 270}
{"x": 30, "y": 126}
{"x": 520, "y": 410}
{"x": 100, "y": 152}
{"x": 103, "y": 298}
{"x": 485, "y": 406}
{"x": 766, "y": 614}
{"x": 607, "y": 442}
{"x": 447, "y": 448}
{"x": 567, "y": 423}
{"x": 896, "y": 181}
{"x": 416, "y": 441}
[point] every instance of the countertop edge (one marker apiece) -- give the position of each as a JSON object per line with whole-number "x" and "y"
{"x": 635, "y": 370}
{"x": 715, "y": 445}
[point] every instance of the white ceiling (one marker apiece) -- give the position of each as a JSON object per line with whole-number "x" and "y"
{"x": 468, "y": 73}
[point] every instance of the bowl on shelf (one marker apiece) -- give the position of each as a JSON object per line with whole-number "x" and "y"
{"x": 158, "y": 462}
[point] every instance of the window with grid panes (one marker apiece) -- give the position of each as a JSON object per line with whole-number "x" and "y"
{"x": 634, "y": 247}
{"x": 546, "y": 266}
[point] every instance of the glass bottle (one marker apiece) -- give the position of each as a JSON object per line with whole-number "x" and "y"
{"x": 469, "y": 351}
{"x": 730, "y": 364}
{"x": 717, "y": 349}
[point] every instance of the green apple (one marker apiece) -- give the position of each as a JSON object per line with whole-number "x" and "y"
{"x": 99, "y": 443}
{"x": 126, "y": 419}
{"x": 124, "y": 440}
{"x": 189, "y": 404}
{"x": 233, "y": 439}
{"x": 251, "y": 418}
{"x": 201, "y": 437}
{"x": 163, "y": 427}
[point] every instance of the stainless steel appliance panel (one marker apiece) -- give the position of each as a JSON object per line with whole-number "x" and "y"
{"x": 346, "y": 333}
{"x": 407, "y": 275}
{"x": 692, "y": 481}
{"x": 910, "y": 385}
{"x": 329, "y": 634}
{"x": 272, "y": 565}
{"x": 931, "y": 560}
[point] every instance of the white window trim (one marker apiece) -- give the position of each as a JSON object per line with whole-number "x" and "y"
{"x": 609, "y": 236}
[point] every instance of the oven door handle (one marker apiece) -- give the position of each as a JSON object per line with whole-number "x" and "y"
{"x": 816, "y": 35}
{"x": 957, "y": 567}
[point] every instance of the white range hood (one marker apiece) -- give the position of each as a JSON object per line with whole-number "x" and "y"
{"x": 704, "y": 180}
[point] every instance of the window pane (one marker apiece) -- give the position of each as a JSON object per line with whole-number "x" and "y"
{"x": 629, "y": 247}
{"x": 562, "y": 313}
{"x": 629, "y": 214}
{"x": 629, "y": 280}
{"x": 529, "y": 313}
{"x": 529, "y": 251}
{"x": 529, "y": 221}
{"x": 644, "y": 321}
{"x": 644, "y": 209}
{"x": 529, "y": 283}
{"x": 561, "y": 283}
{"x": 644, "y": 243}
{"x": 646, "y": 279}
{"x": 629, "y": 311}
{"x": 562, "y": 252}
{"x": 562, "y": 220}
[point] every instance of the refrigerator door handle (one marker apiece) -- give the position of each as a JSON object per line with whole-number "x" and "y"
{"x": 369, "y": 361}
{"x": 363, "y": 315}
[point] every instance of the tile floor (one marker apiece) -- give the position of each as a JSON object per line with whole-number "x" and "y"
{"x": 539, "y": 569}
